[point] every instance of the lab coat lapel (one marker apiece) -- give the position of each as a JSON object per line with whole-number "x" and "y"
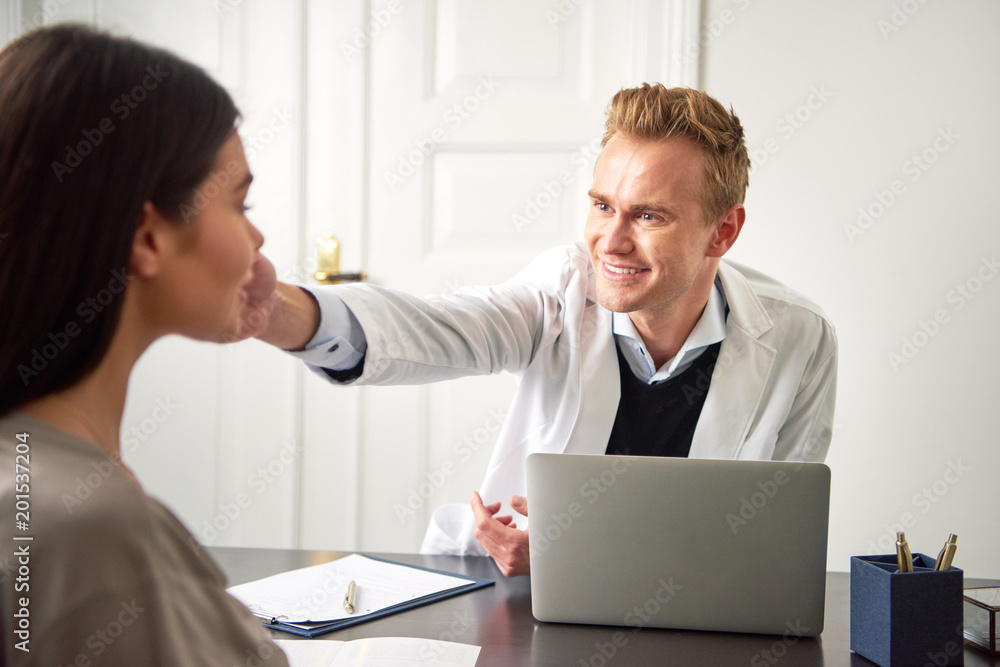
{"x": 740, "y": 376}
{"x": 600, "y": 385}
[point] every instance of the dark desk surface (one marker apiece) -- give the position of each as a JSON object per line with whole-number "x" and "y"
{"x": 498, "y": 619}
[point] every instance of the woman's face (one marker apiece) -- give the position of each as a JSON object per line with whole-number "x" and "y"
{"x": 217, "y": 246}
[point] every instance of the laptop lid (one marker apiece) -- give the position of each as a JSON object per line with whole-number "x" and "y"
{"x": 699, "y": 544}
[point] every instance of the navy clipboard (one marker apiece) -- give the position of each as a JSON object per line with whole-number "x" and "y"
{"x": 321, "y": 628}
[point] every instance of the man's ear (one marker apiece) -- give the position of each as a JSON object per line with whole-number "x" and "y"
{"x": 727, "y": 230}
{"x": 149, "y": 243}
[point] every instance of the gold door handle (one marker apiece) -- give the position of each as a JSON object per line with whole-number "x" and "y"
{"x": 328, "y": 264}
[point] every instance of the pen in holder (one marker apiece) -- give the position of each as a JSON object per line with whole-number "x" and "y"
{"x": 906, "y": 618}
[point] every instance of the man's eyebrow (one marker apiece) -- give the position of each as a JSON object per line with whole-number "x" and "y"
{"x": 638, "y": 206}
{"x": 652, "y": 206}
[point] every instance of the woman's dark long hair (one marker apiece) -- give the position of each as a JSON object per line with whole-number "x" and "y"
{"x": 91, "y": 127}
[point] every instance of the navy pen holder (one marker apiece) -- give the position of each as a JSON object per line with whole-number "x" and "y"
{"x": 906, "y": 618}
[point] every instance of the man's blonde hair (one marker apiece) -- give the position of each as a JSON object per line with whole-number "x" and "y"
{"x": 654, "y": 112}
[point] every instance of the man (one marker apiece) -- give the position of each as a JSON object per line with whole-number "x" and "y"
{"x": 639, "y": 341}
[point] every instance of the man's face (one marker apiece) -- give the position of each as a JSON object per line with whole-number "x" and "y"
{"x": 648, "y": 240}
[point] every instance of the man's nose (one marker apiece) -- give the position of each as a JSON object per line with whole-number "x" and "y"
{"x": 618, "y": 235}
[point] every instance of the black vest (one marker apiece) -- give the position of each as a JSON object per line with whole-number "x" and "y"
{"x": 659, "y": 419}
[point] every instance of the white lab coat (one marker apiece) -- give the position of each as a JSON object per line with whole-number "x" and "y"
{"x": 771, "y": 395}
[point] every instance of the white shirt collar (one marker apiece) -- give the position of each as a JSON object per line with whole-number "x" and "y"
{"x": 710, "y": 329}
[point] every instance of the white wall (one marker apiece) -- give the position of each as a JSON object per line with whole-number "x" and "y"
{"x": 916, "y": 434}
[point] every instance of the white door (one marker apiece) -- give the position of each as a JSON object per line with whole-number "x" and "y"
{"x": 481, "y": 124}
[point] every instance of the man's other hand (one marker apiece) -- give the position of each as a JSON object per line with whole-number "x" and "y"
{"x": 500, "y": 537}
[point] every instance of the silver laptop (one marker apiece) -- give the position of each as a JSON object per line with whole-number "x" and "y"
{"x": 697, "y": 544}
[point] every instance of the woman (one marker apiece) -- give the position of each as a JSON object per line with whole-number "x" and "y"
{"x": 122, "y": 219}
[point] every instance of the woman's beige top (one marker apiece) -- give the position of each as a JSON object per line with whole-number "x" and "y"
{"x": 110, "y": 576}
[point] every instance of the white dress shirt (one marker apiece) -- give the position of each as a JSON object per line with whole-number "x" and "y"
{"x": 710, "y": 329}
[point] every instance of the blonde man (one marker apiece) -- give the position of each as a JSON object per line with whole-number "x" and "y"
{"x": 640, "y": 340}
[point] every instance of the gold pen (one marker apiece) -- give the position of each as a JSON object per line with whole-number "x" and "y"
{"x": 349, "y": 598}
{"x": 903, "y": 555}
{"x": 947, "y": 553}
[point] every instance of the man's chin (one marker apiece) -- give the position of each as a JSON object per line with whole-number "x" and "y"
{"x": 615, "y": 301}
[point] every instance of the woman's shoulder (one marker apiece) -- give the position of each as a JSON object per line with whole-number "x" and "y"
{"x": 86, "y": 518}
{"x": 97, "y": 551}
{"x": 65, "y": 483}
{"x": 75, "y": 495}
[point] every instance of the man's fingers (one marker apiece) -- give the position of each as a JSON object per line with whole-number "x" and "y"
{"x": 520, "y": 504}
{"x": 477, "y": 501}
{"x": 488, "y": 525}
{"x": 263, "y": 282}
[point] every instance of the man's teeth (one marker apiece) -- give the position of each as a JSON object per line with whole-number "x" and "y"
{"x": 615, "y": 269}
